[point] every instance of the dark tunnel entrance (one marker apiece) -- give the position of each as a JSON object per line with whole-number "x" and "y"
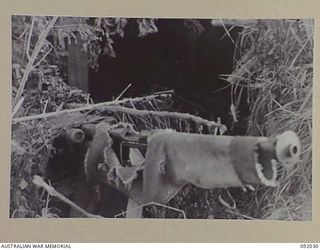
{"x": 177, "y": 57}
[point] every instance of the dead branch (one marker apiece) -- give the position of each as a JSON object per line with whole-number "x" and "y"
{"x": 101, "y": 106}
{"x": 37, "y": 180}
{"x": 167, "y": 114}
{"x": 130, "y": 111}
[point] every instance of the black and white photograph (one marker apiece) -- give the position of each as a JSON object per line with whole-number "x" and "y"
{"x": 161, "y": 118}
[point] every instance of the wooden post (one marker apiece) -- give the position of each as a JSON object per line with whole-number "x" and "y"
{"x": 77, "y": 65}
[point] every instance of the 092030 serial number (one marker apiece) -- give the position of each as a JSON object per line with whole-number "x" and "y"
{"x": 309, "y": 246}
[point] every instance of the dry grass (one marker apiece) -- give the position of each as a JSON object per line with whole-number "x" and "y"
{"x": 274, "y": 72}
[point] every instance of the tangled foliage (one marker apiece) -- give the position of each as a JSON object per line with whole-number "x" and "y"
{"x": 39, "y": 76}
{"x": 275, "y": 70}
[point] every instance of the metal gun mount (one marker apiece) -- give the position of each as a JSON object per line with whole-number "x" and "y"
{"x": 173, "y": 159}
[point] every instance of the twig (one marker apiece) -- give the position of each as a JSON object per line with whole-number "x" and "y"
{"x": 299, "y": 52}
{"x": 37, "y": 180}
{"x": 45, "y": 106}
{"x": 44, "y": 56}
{"x": 17, "y": 107}
{"x": 29, "y": 38}
{"x": 237, "y": 213}
{"x": 23, "y": 32}
{"x": 154, "y": 204}
{"x": 85, "y": 108}
{"x": 141, "y": 113}
{"x": 124, "y": 91}
{"x": 33, "y": 57}
{"x": 305, "y": 100}
{"x": 14, "y": 213}
{"x": 227, "y": 32}
{"x": 233, "y": 22}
